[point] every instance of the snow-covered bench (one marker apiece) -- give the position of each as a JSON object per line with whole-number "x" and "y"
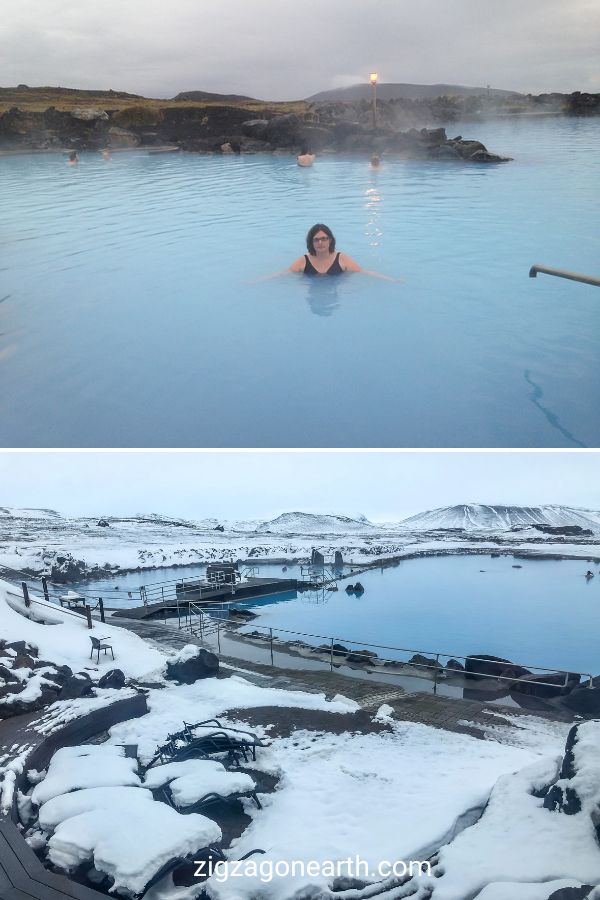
{"x": 131, "y": 843}
{"x": 191, "y": 784}
{"x": 90, "y": 765}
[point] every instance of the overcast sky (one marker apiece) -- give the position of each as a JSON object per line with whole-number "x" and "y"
{"x": 277, "y": 49}
{"x": 261, "y": 485}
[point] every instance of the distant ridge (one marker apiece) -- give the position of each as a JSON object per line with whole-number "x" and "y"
{"x": 475, "y": 516}
{"x": 310, "y": 523}
{"x": 47, "y": 92}
{"x": 28, "y": 513}
{"x": 206, "y": 95}
{"x": 406, "y": 91}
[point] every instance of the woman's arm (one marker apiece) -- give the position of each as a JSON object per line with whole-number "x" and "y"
{"x": 296, "y": 266}
{"x": 350, "y": 265}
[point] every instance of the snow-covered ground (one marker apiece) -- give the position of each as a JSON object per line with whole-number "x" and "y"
{"x": 47, "y": 542}
{"x": 401, "y": 794}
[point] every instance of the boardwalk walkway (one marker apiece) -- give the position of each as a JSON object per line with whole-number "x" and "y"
{"x": 451, "y": 713}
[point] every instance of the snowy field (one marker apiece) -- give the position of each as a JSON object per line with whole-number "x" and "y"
{"x": 43, "y": 542}
{"x": 403, "y": 794}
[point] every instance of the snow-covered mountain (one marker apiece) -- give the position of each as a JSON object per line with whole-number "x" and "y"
{"x": 41, "y": 541}
{"x": 10, "y": 513}
{"x": 311, "y": 523}
{"x": 477, "y": 517}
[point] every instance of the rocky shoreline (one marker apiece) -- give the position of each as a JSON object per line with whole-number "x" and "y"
{"x": 328, "y": 128}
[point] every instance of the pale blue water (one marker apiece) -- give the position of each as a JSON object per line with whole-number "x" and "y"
{"x": 125, "y": 319}
{"x": 544, "y": 613}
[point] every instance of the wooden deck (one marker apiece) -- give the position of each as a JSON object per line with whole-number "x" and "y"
{"x": 246, "y": 590}
{"x": 23, "y": 877}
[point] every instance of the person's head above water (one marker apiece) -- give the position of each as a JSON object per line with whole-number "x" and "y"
{"x": 320, "y": 230}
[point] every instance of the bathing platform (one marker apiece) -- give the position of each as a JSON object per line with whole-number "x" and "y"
{"x": 204, "y": 594}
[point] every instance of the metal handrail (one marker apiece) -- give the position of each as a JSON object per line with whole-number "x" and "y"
{"x": 561, "y": 273}
{"x": 542, "y": 669}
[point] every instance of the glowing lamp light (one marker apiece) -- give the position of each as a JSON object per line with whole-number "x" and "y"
{"x": 373, "y": 78}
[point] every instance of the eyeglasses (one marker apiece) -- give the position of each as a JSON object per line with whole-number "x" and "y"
{"x": 319, "y": 240}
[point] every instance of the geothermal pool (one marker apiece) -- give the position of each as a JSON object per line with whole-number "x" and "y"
{"x": 127, "y": 316}
{"x": 543, "y": 613}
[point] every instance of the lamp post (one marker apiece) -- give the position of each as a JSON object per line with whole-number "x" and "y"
{"x": 373, "y": 79}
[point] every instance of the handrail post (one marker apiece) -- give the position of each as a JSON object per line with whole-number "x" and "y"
{"x": 219, "y": 634}
{"x": 331, "y": 656}
{"x": 45, "y": 589}
{"x": 435, "y": 673}
{"x": 26, "y": 593}
{"x": 101, "y": 606}
{"x": 88, "y": 615}
{"x": 271, "y": 642}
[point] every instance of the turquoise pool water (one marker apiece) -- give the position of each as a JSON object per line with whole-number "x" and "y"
{"x": 544, "y": 613}
{"x": 127, "y": 319}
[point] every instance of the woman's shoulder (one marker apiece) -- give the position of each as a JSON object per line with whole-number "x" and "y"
{"x": 299, "y": 264}
{"x": 347, "y": 263}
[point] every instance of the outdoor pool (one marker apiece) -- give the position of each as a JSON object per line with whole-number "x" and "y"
{"x": 543, "y": 613}
{"x": 127, "y": 319}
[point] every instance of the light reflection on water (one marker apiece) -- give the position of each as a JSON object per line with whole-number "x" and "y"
{"x": 127, "y": 319}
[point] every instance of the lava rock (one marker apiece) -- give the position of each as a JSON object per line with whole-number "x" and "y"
{"x": 23, "y": 661}
{"x": 419, "y": 660}
{"x": 584, "y": 701}
{"x": 455, "y": 666}
{"x": 102, "y": 523}
{"x": 571, "y": 893}
{"x": 79, "y": 685}
{"x": 89, "y": 114}
{"x": 477, "y": 666}
{"x": 316, "y": 558}
{"x": 20, "y": 647}
{"x": 338, "y": 559}
{"x": 361, "y": 657}
{"x": 203, "y": 664}
{"x": 554, "y": 687}
{"x": 114, "y": 679}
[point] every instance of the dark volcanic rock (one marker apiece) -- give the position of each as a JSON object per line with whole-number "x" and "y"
{"x": 554, "y": 686}
{"x": 21, "y": 648}
{"x": 584, "y": 702}
{"x": 316, "y": 558}
{"x": 284, "y": 131}
{"x": 79, "y": 685}
{"x": 202, "y": 665}
{"x": 419, "y": 660}
{"x": 482, "y": 664}
{"x": 455, "y": 666}
{"x": 256, "y": 129}
{"x": 361, "y": 657}
{"x": 114, "y": 679}
{"x": 562, "y": 796}
{"x": 338, "y": 559}
{"x": 572, "y": 893}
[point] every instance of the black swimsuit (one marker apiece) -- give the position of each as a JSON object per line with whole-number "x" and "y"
{"x": 334, "y": 269}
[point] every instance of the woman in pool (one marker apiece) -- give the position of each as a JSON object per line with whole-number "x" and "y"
{"x": 322, "y": 258}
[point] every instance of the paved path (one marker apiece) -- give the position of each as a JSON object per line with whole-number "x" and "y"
{"x": 453, "y": 714}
